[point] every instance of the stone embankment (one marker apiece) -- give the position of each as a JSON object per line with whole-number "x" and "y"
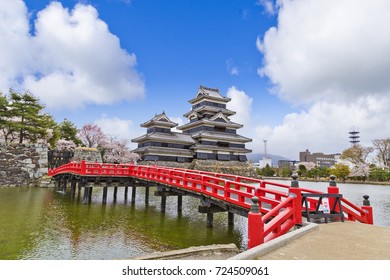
{"x": 228, "y": 167}
{"x": 22, "y": 165}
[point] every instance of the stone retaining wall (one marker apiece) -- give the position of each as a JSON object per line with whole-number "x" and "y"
{"x": 22, "y": 165}
{"x": 229, "y": 167}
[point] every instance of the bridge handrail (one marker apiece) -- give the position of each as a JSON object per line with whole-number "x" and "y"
{"x": 279, "y": 216}
{"x": 282, "y": 219}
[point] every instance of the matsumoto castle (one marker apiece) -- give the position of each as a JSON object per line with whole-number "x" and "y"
{"x": 209, "y": 134}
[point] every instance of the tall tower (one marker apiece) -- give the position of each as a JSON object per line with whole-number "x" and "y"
{"x": 265, "y": 148}
{"x": 354, "y": 136}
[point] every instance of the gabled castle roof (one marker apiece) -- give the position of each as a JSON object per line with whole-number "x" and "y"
{"x": 160, "y": 120}
{"x": 209, "y": 93}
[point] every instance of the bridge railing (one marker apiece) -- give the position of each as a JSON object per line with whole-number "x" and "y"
{"x": 279, "y": 205}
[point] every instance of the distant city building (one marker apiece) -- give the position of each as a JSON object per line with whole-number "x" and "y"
{"x": 320, "y": 159}
{"x": 210, "y": 134}
{"x": 287, "y": 163}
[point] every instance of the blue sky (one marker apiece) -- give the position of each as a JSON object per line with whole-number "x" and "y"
{"x": 300, "y": 73}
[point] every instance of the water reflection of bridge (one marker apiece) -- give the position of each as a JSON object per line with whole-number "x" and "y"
{"x": 271, "y": 212}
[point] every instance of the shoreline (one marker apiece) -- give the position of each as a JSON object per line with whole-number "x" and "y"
{"x": 327, "y": 181}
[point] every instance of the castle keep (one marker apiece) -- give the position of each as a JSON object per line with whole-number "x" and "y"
{"x": 209, "y": 134}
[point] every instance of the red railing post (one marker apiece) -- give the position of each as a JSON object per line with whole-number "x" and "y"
{"x": 333, "y": 189}
{"x": 255, "y": 225}
{"x": 297, "y": 192}
{"x": 83, "y": 168}
{"x": 367, "y": 209}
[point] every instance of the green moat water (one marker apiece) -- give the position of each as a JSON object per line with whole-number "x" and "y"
{"x": 39, "y": 223}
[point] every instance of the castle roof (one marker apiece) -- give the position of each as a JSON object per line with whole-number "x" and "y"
{"x": 210, "y": 94}
{"x": 221, "y": 136}
{"x": 173, "y": 137}
{"x": 210, "y": 109}
{"x": 160, "y": 120}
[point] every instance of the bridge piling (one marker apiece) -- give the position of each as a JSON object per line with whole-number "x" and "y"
{"x": 105, "y": 191}
{"x": 230, "y": 218}
{"x": 126, "y": 191}
{"x": 73, "y": 184}
{"x": 210, "y": 219}
{"x": 146, "y": 195}
{"x": 115, "y": 193}
{"x": 64, "y": 184}
{"x": 179, "y": 203}
{"x": 163, "y": 203}
{"x": 133, "y": 192}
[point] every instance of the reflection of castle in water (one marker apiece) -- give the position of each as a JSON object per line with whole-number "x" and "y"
{"x": 210, "y": 134}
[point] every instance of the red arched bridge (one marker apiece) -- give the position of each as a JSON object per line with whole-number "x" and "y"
{"x": 272, "y": 208}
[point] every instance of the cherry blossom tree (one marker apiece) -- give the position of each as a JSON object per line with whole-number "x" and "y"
{"x": 117, "y": 151}
{"x": 92, "y": 136}
{"x": 65, "y": 145}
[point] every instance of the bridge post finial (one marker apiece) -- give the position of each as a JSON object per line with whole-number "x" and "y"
{"x": 255, "y": 225}
{"x": 366, "y": 200}
{"x": 367, "y": 209}
{"x": 294, "y": 181}
{"x": 255, "y": 205}
{"x": 332, "y": 181}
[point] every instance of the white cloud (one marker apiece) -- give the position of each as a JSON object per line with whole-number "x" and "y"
{"x": 119, "y": 128}
{"x": 268, "y": 5}
{"x": 241, "y": 103}
{"x": 72, "y": 58}
{"x": 325, "y": 126}
{"x": 328, "y": 49}
{"x": 332, "y": 57}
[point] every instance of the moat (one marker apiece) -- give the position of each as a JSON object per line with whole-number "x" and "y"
{"x": 40, "y": 223}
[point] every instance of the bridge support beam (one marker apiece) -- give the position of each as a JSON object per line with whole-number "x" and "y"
{"x": 230, "y": 218}
{"x": 126, "y": 192}
{"x": 133, "y": 191}
{"x": 73, "y": 184}
{"x": 179, "y": 204}
{"x": 115, "y": 193}
{"x": 105, "y": 190}
{"x": 87, "y": 194}
{"x": 64, "y": 184}
{"x": 210, "y": 219}
{"x": 209, "y": 208}
{"x": 164, "y": 193}
{"x": 147, "y": 195}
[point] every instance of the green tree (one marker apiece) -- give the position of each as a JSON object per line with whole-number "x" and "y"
{"x": 341, "y": 171}
{"x": 26, "y": 120}
{"x": 3, "y": 111}
{"x": 302, "y": 170}
{"x": 318, "y": 172}
{"x": 267, "y": 171}
{"x": 53, "y": 133}
{"x": 68, "y": 131}
{"x": 286, "y": 171}
{"x": 357, "y": 154}
{"x": 379, "y": 174}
